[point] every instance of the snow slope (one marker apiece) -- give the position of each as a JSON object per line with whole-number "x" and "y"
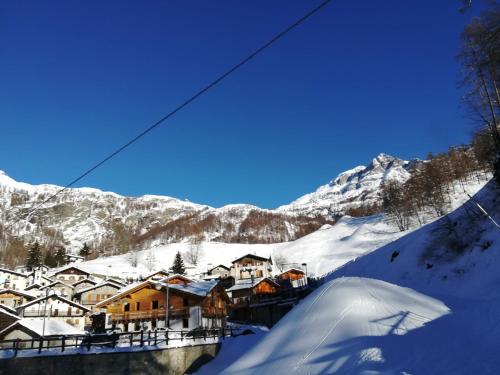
{"x": 433, "y": 309}
{"x": 323, "y": 250}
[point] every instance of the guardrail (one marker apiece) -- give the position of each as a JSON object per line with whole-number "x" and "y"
{"x": 112, "y": 340}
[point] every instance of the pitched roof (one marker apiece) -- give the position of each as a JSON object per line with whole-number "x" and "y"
{"x": 247, "y": 284}
{"x": 57, "y": 282}
{"x": 54, "y": 296}
{"x": 8, "y": 311}
{"x": 220, "y": 265}
{"x": 53, "y": 327}
{"x": 197, "y": 288}
{"x": 253, "y": 256}
{"x": 68, "y": 267}
{"x": 32, "y": 286}
{"x": 296, "y": 270}
{"x": 17, "y": 292}
{"x": 87, "y": 280}
{"x": 98, "y": 286}
{"x": 13, "y": 272}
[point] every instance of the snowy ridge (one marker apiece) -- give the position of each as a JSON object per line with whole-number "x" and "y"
{"x": 107, "y": 220}
{"x": 353, "y": 188}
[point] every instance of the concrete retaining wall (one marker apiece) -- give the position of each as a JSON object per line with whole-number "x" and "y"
{"x": 165, "y": 361}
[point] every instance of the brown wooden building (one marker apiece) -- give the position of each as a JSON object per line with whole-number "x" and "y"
{"x": 292, "y": 277}
{"x": 192, "y": 305}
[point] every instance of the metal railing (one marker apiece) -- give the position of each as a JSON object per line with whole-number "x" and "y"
{"x": 112, "y": 340}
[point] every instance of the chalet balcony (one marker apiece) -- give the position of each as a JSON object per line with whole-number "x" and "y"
{"x": 51, "y": 314}
{"x": 214, "y": 312}
{"x": 150, "y": 315}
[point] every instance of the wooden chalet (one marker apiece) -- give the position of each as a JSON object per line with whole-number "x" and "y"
{"x": 292, "y": 277}
{"x": 96, "y": 293}
{"x": 13, "y": 298}
{"x": 192, "y": 304}
{"x": 246, "y": 292}
{"x": 249, "y": 266}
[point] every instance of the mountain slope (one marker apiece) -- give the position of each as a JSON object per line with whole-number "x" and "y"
{"x": 114, "y": 224}
{"x": 418, "y": 305}
{"x": 359, "y": 186}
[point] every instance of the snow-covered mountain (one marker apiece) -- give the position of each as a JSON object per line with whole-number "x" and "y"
{"x": 356, "y": 187}
{"x": 113, "y": 224}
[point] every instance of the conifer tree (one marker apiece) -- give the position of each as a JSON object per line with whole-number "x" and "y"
{"x": 178, "y": 266}
{"x": 49, "y": 260}
{"x": 85, "y": 251}
{"x": 34, "y": 256}
{"x": 60, "y": 256}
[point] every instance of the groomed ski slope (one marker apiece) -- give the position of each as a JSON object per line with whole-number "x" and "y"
{"x": 344, "y": 326}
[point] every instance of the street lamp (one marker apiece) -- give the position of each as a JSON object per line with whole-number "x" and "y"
{"x": 47, "y": 292}
{"x": 158, "y": 286}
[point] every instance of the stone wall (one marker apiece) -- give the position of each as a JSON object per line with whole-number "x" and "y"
{"x": 172, "y": 361}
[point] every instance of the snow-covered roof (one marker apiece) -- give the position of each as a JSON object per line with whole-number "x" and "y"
{"x": 55, "y": 283}
{"x": 220, "y": 265}
{"x": 6, "y": 270}
{"x": 292, "y": 270}
{"x": 53, "y": 296}
{"x": 33, "y": 286}
{"x": 87, "y": 280}
{"x": 110, "y": 283}
{"x": 8, "y": 311}
{"x": 17, "y": 293}
{"x": 247, "y": 284}
{"x": 199, "y": 288}
{"x": 253, "y": 256}
{"x": 68, "y": 267}
{"x": 53, "y": 327}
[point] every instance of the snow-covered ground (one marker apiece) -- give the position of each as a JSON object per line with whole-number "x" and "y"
{"x": 433, "y": 309}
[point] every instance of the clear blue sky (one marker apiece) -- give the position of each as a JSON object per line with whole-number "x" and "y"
{"x": 79, "y": 78}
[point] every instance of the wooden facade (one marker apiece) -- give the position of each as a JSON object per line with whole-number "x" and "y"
{"x": 13, "y": 298}
{"x": 145, "y": 306}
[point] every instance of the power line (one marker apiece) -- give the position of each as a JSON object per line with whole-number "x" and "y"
{"x": 278, "y": 36}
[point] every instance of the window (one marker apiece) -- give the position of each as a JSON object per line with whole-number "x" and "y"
{"x": 185, "y": 302}
{"x": 185, "y": 323}
{"x": 56, "y": 312}
{"x": 137, "y": 306}
{"x": 69, "y": 310}
{"x": 155, "y": 304}
{"x": 126, "y": 307}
